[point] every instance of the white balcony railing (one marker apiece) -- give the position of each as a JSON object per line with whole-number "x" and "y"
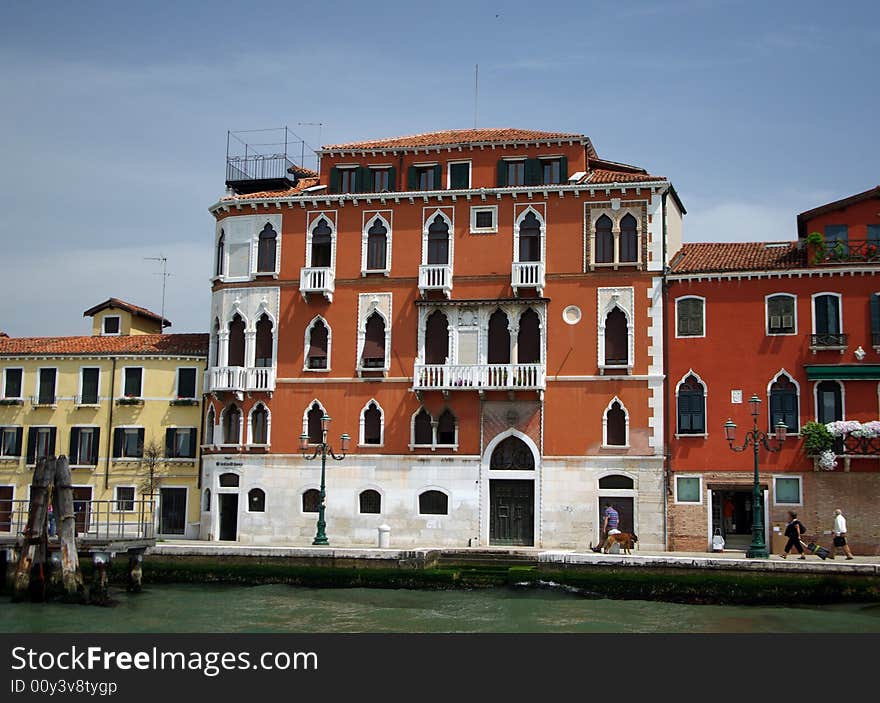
{"x": 528, "y": 274}
{"x": 318, "y": 279}
{"x": 480, "y": 377}
{"x": 435, "y": 277}
{"x": 240, "y": 379}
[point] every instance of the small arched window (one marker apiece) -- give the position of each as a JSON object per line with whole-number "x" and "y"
{"x": 232, "y": 425}
{"x": 373, "y": 356}
{"x": 256, "y": 500}
{"x": 423, "y": 431}
{"x": 691, "y": 407}
{"x": 370, "y": 502}
{"x": 615, "y": 425}
{"x": 604, "y": 241}
{"x": 221, "y": 246}
{"x": 264, "y": 342}
{"x": 528, "y": 341}
{"x": 206, "y": 501}
{"x": 322, "y": 245}
{"x": 235, "y": 355}
{"x": 318, "y": 346}
{"x": 266, "y": 250}
{"x": 436, "y": 338}
{"x": 530, "y": 238}
{"x": 260, "y": 425}
{"x": 372, "y": 424}
{"x": 616, "y": 482}
{"x": 311, "y": 500}
{"x": 377, "y": 246}
{"x": 229, "y": 480}
{"x": 499, "y": 338}
{"x": 616, "y": 338}
{"x": 629, "y": 240}
{"x": 209, "y": 425}
{"x": 433, "y": 503}
{"x": 313, "y": 423}
{"x": 438, "y": 241}
{"x": 446, "y": 428}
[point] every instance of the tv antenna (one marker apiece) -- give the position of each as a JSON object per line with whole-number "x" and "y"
{"x": 319, "y": 125}
{"x": 165, "y": 275}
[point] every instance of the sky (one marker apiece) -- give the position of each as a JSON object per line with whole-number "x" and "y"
{"x": 114, "y": 116}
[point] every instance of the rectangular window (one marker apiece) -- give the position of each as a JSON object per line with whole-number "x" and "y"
{"x": 688, "y": 489}
{"x": 89, "y": 386}
{"x": 516, "y": 173}
{"x": 381, "y": 179}
{"x": 180, "y": 442}
{"x": 133, "y": 382}
{"x": 460, "y": 176}
{"x": 84, "y": 446}
{"x": 551, "y": 171}
{"x": 780, "y": 314}
{"x": 874, "y": 235}
{"x": 124, "y": 499}
{"x": 12, "y": 383}
{"x": 111, "y": 324}
{"x": 186, "y": 383}
{"x": 10, "y": 441}
{"x": 827, "y": 319}
{"x": 689, "y": 317}
{"x": 128, "y": 443}
{"x": 484, "y": 219}
{"x": 41, "y": 443}
{"x": 46, "y": 391}
{"x": 348, "y": 180}
{"x": 837, "y": 239}
{"x": 786, "y": 491}
{"x": 426, "y": 178}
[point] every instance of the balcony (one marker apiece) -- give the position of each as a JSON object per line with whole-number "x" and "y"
{"x": 828, "y": 341}
{"x": 527, "y": 274}
{"x": 435, "y": 277}
{"x": 320, "y": 280}
{"x": 854, "y": 251}
{"x": 479, "y": 377}
{"x": 239, "y": 379}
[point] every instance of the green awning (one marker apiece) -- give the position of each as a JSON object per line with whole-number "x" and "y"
{"x": 843, "y": 372}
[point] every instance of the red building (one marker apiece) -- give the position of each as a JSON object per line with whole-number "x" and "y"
{"x": 798, "y": 324}
{"x": 481, "y": 310}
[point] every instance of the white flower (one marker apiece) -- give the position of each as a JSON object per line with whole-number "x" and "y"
{"x": 827, "y": 460}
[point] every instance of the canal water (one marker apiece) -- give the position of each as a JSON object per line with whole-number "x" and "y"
{"x": 279, "y": 608}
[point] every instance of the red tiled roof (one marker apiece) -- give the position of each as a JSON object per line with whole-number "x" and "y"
{"x": 138, "y": 344}
{"x": 301, "y": 185}
{"x": 601, "y": 175}
{"x": 456, "y": 136}
{"x": 720, "y": 257}
{"x": 128, "y": 307}
{"x": 302, "y": 171}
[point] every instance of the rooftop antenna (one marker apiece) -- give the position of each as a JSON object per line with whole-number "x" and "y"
{"x": 476, "y": 90}
{"x": 302, "y": 156}
{"x": 165, "y": 275}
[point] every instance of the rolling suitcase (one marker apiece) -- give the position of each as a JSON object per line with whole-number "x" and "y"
{"x": 814, "y": 548}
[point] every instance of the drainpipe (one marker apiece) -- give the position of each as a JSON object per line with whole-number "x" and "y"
{"x": 666, "y": 413}
{"x": 110, "y": 426}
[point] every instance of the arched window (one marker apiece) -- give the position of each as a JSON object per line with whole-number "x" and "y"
{"x": 372, "y": 424}
{"x": 210, "y": 421}
{"x": 691, "y": 407}
{"x": 615, "y": 425}
{"x": 256, "y": 500}
{"x": 446, "y": 428}
{"x": 784, "y": 404}
{"x": 221, "y": 245}
{"x": 235, "y": 356}
{"x": 436, "y": 338}
{"x": 829, "y": 402}
{"x": 438, "y": 241}
{"x": 231, "y": 425}
{"x": 370, "y": 502}
{"x": 512, "y": 454}
{"x": 499, "y": 338}
{"x": 530, "y": 238}
{"x": 616, "y": 482}
{"x": 616, "y": 338}
{"x": 423, "y": 431}
{"x": 827, "y": 319}
{"x": 528, "y": 341}
{"x": 433, "y": 503}
{"x": 604, "y": 241}
{"x": 229, "y": 480}
{"x": 781, "y": 314}
{"x": 629, "y": 240}
{"x": 206, "y": 502}
{"x": 215, "y": 357}
{"x": 266, "y": 250}
{"x": 373, "y": 356}
{"x": 260, "y": 425}
{"x": 317, "y": 353}
{"x": 313, "y": 422}
{"x": 311, "y": 500}
{"x": 264, "y": 342}
{"x": 377, "y": 246}
{"x": 322, "y": 244}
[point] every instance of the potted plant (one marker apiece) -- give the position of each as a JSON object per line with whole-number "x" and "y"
{"x": 816, "y": 245}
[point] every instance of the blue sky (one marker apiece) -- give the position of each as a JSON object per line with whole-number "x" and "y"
{"x": 113, "y": 116}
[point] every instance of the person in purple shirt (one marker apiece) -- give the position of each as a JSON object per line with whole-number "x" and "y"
{"x": 610, "y": 525}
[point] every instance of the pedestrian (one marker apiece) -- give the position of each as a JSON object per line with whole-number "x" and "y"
{"x": 839, "y": 531}
{"x": 51, "y": 515}
{"x": 729, "y": 511}
{"x": 610, "y": 525}
{"x": 793, "y": 530}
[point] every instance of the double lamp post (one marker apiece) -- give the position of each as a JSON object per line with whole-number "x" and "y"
{"x": 323, "y": 449}
{"x": 755, "y": 437}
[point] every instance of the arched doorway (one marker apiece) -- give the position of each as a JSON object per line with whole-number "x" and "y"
{"x": 512, "y": 500}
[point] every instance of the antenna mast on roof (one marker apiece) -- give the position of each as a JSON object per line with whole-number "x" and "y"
{"x": 165, "y": 276}
{"x": 476, "y": 90}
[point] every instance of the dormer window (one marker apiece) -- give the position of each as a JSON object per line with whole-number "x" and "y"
{"x": 111, "y": 324}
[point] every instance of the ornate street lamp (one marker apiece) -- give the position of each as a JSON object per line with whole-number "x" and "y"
{"x": 755, "y": 437}
{"x": 322, "y": 448}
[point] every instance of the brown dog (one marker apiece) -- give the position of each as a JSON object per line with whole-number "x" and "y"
{"x": 626, "y": 540}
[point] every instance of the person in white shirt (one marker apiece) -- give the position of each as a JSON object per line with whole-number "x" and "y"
{"x": 839, "y": 531}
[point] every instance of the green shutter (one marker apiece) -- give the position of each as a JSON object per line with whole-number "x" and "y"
{"x": 412, "y": 178}
{"x": 563, "y": 169}
{"x": 193, "y": 436}
{"x": 438, "y": 177}
{"x": 74, "y": 443}
{"x": 392, "y": 179}
{"x": 169, "y": 442}
{"x": 32, "y": 445}
{"x": 364, "y": 180}
{"x": 117, "y": 442}
{"x": 141, "y": 442}
{"x": 17, "y": 449}
{"x": 533, "y": 172}
{"x": 52, "y": 433}
{"x": 334, "y": 180}
{"x": 502, "y": 173}
{"x": 95, "y": 445}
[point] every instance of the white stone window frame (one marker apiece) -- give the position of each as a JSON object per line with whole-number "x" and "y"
{"x": 605, "y": 444}
{"x": 361, "y": 424}
{"x": 254, "y": 262}
{"x": 124, "y": 457}
{"x": 691, "y": 372}
{"x": 616, "y": 210}
{"x": 177, "y": 371}
{"x": 369, "y": 487}
{"x": 767, "y": 314}
{"x": 676, "y": 499}
{"x": 39, "y": 375}
{"x": 250, "y": 335}
{"x": 21, "y": 393}
{"x": 797, "y": 386}
{"x": 22, "y": 449}
{"x": 125, "y": 370}
{"x": 250, "y": 425}
{"x": 368, "y": 304}
{"x": 219, "y": 233}
{"x": 435, "y": 421}
{"x": 116, "y": 499}
{"x": 543, "y": 224}
{"x": 305, "y": 416}
{"x": 247, "y": 500}
{"x": 702, "y": 299}
{"x": 484, "y": 230}
{"x": 314, "y": 219}
{"x": 842, "y": 386}
{"x": 253, "y": 225}
{"x": 369, "y": 218}
{"x": 450, "y": 164}
{"x": 428, "y": 216}
{"x": 250, "y": 304}
{"x": 439, "y": 489}
{"x": 789, "y": 477}
{"x": 622, "y": 298}
{"x": 307, "y": 342}
{"x": 222, "y": 426}
{"x": 104, "y": 332}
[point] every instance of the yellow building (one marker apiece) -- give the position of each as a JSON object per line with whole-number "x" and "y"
{"x": 124, "y": 405}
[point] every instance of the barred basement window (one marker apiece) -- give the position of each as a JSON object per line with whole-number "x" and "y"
{"x": 370, "y": 502}
{"x": 311, "y": 500}
{"x": 433, "y": 503}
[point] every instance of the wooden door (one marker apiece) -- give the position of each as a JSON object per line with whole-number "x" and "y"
{"x": 172, "y": 513}
{"x": 5, "y": 508}
{"x": 624, "y": 507}
{"x": 512, "y": 512}
{"x": 228, "y": 516}
{"x": 82, "y": 507}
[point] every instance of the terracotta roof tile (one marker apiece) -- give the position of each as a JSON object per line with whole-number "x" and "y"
{"x": 301, "y": 185}
{"x": 138, "y": 344}
{"x": 456, "y": 136}
{"x": 601, "y": 175}
{"x": 720, "y": 257}
{"x": 129, "y": 307}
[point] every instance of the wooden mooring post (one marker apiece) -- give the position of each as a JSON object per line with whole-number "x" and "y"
{"x": 33, "y": 552}
{"x": 71, "y": 575}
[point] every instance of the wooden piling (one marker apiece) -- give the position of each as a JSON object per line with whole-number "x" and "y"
{"x": 135, "y": 571}
{"x": 34, "y": 537}
{"x": 71, "y": 574}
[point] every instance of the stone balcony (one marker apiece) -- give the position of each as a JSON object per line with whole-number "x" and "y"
{"x": 527, "y": 274}
{"x": 479, "y": 377}
{"x": 435, "y": 277}
{"x": 317, "y": 280}
{"x": 240, "y": 379}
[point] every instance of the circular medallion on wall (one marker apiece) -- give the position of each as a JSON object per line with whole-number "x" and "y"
{"x": 572, "y": 314}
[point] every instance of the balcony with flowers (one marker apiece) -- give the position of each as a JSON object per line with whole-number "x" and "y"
{"x": 841, "y": 251}
{"x": 843, "y": 439}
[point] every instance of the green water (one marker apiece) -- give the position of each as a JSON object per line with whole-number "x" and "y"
{"x": 277, "y": 608}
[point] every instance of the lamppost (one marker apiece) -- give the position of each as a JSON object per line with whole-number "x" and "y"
{"x": 755, "y": 437}
{"x": 322, "y": 448}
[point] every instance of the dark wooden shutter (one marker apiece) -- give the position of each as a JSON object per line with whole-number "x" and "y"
{"x": 264, "y": 342}
{"x": 502, "y": 173}
{"x": 412, "y": 178}
{"x": 140, "y": 440}
{"x": 118, "y": 437}
{"x": 616, "y": 338}
{"x": 32, "y": 445}
{"x": 170, "y": 434}
{"x": 438, "y": 177}
{"x": 334, "y": 180}
{"x": 875, "y": 317}
{"x": 563, "y": 169}
{"x": 364, "y": 180}
{"x": 74, "y": 445}
{"x": 96, "y": 439}
{"x": 17, "y": 448}
{"x": 528, "y": 341}
{"x": 499, "y": 339}
{"x": 446, "y": 427}
{"x": 193, "y": 437}
{"x": 392, "y": 179}
{"x": 533, "y": 172}
{"x": 50, "y": 450}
